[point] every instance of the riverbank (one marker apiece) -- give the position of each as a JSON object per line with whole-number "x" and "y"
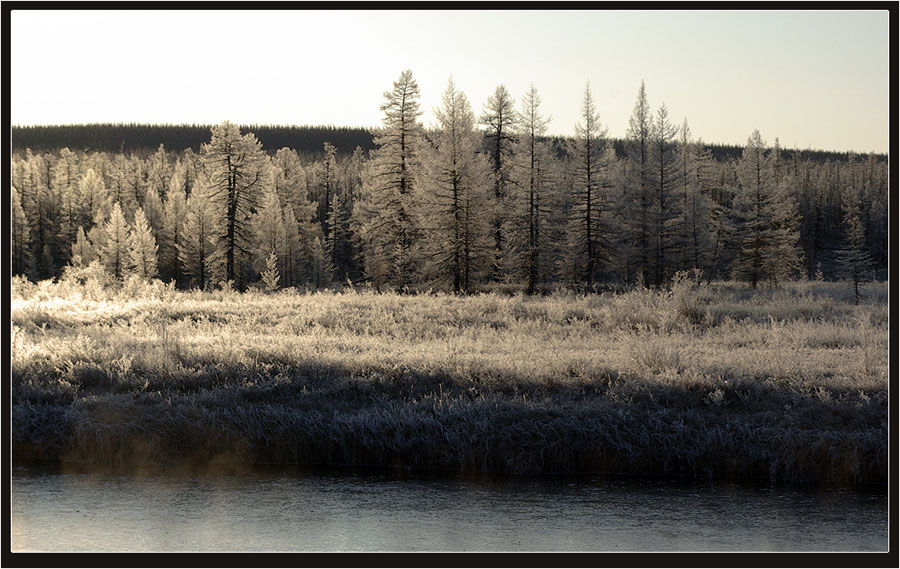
{"x": 788, "y": 384}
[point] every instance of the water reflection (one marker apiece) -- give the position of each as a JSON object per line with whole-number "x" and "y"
{"x": 236, "y": 509}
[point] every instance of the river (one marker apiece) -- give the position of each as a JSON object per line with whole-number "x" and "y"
{"x": 343, "y": 510}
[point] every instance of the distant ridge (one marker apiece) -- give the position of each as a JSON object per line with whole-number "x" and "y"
{"x": 305, "y": 139}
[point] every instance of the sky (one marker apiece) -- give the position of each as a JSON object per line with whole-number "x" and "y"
{"x": 812, "y": 79}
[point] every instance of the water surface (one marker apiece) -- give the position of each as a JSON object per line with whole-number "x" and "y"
{"x": 286, "y": 510}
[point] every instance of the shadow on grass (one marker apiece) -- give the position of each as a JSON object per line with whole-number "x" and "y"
{"x": 315, "y": 414}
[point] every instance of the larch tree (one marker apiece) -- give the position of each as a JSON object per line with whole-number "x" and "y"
{"x": 499, "y": 118}
{"x": 529, "y": 204}
{"x": 637, "y": 211}
{"x": 113, "y": 248}
{"x": 453, "y": 198}
{"x": 171, "y": 232}
{"x": 767, "y": 219}
{"x": 236, "y": 172}
{"x": 158, "y": 174}
{"x": 268, "y": 226}
{"x": 290, "y": 181}
{"x": 383, "y": 217}
{"x": 142, "y": 248}
{"x": 20, "y": 237}
{"x": 83, "y": 251}
{"x": 338, "y": 237}
{"x": 666, "y": 208}
{"x": 66, "y": 178}
{"x": 590, "y": 231}
{"x": 154, "y": 209}
{"x": 40, "y": 207}
{"x": 201, "y": 251}
{"x": 854, "y": 259}
{"x": 695, "y": 179}
{"x": 296, "y": 255}
{"x": 93, "y": 200}
{"x": 327, "y": 188}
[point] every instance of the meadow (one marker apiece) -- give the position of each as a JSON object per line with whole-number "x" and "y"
{"x": 698, "y": 380}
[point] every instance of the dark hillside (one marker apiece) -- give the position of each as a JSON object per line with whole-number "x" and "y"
{"x": 145, "y": 138}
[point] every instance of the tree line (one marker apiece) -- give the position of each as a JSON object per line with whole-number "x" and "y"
{"x": 473, "y": 202}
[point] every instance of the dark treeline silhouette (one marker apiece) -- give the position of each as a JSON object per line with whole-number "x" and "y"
{"x": 143, "y": 139}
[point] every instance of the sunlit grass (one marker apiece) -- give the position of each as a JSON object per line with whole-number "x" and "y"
{"x": 789, "y": 383}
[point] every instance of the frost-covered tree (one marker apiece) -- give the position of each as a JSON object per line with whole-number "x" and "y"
{"x": 201, "y": 250}
{"x": 289, "y": 179}
{"x": 268, "y": 226}
{"x": 327, "y": 187}
{"x": 590, "y": 243}
{"x": 83, "y": 251}
{"x": 154, "y": 209}
{"x": 456, "y": 245}
{"x": 337, "y": 241}
{"x": 41, "y": 209}
{"x": 270, "y": 275}
{"x": 383, "y": 217}
{"x": 637, "y": 210}
{"x": 113, "y": 248}
{"x": 854, "y": 259}
{"x": 66, "y": 177}
{"x": 695, "y": 179}
{"x": 666, "y": 208}
{"x": 296, "y": 254}
{"x": 158, "y": 173}
{"x": 499, "y": 119}
{"x": 142, "y": 248}
{"x": 235, "y": 173}
{"x": 20, "y": 237}
{"x": 93, "y": 200}
{"x": 171, "y": 231}
{"x": 767, "y": 219}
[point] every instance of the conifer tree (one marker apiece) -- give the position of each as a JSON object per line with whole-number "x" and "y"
{"x": 236, "y": 173}
{"x": 336, "y": 242}
{"x": 159, "y": 172}
{"x": 455, "y": 243}
{"x": 142, "y": 248}
{"x": 694, "y": 187}
{"x": 83, "y": 251}
{"x": 66, "y": 179}
{"x": 767, "y": 219}
{"x": 201, "y": 250}
{"x": 290, "y": 180}
{"x": 529, "y": 253}
{"x": 114, "y": 244}
{"x": 93, "y": 199}
{"x": 270, "y": 276}
{"x": 383, "y": 217}
{"x": 854, "y": 259}
{"x": 328, "y": 188}
{"x": 20, "y": 238}
{"x": 666, "y": 209}
{"x": 171, "y": 232}
{"x": 637, "y": 210}
{"x": 268, "y": 225}
{"x": 296, "y": 256}
{"x": 153, "y": 209}
{"x": 499, "y": 119}
{"x": 590, "y": 231}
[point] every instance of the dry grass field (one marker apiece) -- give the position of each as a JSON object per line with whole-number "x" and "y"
{"x": 786, "y": 384}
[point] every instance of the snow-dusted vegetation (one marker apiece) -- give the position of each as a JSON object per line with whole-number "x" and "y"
{"x": 697, "y": 380}
{"x": 471, "y": 295}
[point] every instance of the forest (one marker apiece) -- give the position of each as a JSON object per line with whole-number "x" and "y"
{"x": 475, "y": 202}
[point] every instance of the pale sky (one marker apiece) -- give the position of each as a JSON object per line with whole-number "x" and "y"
{"x": 816, "y": 79}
